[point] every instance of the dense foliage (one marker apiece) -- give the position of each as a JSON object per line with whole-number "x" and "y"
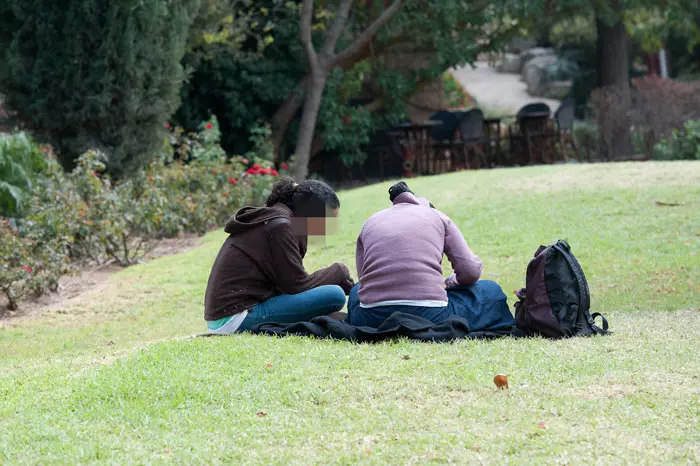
{"x": 419, "y": 44}
{"x": 84, "y": 216}
{"x": 92, "y": 74}
{"x": 20, "y": 161}
{"x": 684, "y": 144}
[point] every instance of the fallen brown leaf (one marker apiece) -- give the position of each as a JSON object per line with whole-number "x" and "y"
{"x": 261, "y": 414}
{"x": 501, "y": 381}
{"x": 268, "y": 365}
{"x": 405, "y": 357}
{"x": 542, "y": 425}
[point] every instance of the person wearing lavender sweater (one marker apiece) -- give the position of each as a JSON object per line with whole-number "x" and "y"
{"x": 399, "y": 255}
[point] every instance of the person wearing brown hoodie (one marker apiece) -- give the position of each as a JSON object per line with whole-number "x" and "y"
{"x": 259, "y": 276}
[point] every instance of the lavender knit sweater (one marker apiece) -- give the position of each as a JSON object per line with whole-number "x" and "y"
{"x": 400, "y": 250}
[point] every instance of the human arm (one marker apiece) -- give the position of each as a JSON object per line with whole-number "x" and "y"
{"x": 287, "y": 266}
{"x": 359, "y": 256}
{"x": 466, "y": 265}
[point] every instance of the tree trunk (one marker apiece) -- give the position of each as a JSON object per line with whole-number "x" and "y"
{"x": 312, "y": 104}
{"x": 285, "y": 114}
{"x": 613, "y": 66}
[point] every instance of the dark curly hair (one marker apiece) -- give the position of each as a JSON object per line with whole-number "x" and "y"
{"x": 309, "y": 198}
{"x": 400, "y": 188}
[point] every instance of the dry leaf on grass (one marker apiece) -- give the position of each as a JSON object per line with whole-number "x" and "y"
{"x": 501, "y": 381}
{"x": 261, "y": 414}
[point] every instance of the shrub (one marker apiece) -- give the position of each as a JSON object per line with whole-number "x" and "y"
{"x": 109, "y": 78}
{"x": 662, "y": 106}
{"x": 20, "y": 160}
{"x": 31, "y": 262}
{"x": 611, "y": 111}
{"x": 83, "y": 216}
{"x": 587, "y": 136}
{"x": 455, "y": 94}
{"x": 682, "y": 145}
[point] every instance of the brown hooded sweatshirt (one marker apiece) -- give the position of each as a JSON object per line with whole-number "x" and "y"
{"x": 262, "y": 258}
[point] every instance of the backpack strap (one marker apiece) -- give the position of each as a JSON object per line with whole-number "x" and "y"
{"x": 562, "y": 247}
{"x": 565, "y": 250}
{"x": 605, "y": 322}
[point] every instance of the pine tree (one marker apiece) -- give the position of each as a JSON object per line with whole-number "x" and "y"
{"x": 95, "y": 74}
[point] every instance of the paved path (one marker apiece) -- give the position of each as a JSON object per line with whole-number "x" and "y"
{"x": 497, "y": 92}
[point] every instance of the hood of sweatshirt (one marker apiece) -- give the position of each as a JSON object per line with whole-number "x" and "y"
{"x": 251, "y": 217}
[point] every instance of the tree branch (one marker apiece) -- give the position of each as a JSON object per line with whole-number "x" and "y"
{"x": 341, "y": 17}
{"x": 363, "y": 40}
{"x": 307, "y": 13}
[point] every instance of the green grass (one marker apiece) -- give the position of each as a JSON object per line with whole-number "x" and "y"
{"x": 112, "y": 378}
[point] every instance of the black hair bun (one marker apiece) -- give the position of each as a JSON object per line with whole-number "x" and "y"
{"x": 398, "y": 189}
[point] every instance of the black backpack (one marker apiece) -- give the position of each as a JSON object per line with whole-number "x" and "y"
{"x": 556, "y": 302}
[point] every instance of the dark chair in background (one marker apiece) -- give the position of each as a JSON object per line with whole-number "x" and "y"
{"x": 565, "y": 116}
{"x": 445, "y": 132}
{"x": 471, "y": 140}
{"x": 536, "y": 109}
{"x": 532, "y": 137}
{"x": 443, "y": 138}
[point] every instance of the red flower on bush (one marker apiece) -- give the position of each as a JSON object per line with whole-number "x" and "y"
{"x": 274, "y": 173}
{"x": 252, "y": 171}
{"x": 27, "y": 269}
{"x": 213, "y": 172}
{"x": 96, "y": 174}
{"x": 167, "y": 125}
{"x": 232, "y": 180}
{"x": 256, "y": 167}
{"x": 284, "y": 166}
{"x": 209, "y": 126}
{"x": 245, "y": 160}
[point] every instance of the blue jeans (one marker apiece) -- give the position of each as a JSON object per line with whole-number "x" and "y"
{"x": 483, "y": 305}
{"x": 291, "y": 308}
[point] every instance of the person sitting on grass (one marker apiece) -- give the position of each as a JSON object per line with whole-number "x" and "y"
{"x": 399, "y": 255}
{"x": 258, "y": 275}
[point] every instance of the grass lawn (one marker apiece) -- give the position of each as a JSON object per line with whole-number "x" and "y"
{"x": 112, "y": 378}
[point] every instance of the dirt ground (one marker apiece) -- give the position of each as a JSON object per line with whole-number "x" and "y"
{"x": 88, "y": 278}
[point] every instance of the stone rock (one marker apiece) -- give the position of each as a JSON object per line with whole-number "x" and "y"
{"x": 520, "y": 45}
{"x": 536, "y": 74}
{"x": 511, "y": 63}
{"x": 536, "y": 52}
{"x": 557, "y": 90}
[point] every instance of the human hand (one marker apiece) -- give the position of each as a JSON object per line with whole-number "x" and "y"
{"x": 347, "y": 283}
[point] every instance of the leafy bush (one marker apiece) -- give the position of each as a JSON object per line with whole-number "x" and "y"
{"x": 31, "y": 262}
{"x": 82, "y": 216}
{"x": 662, "y": 106}
{"x": 612, "y": 116}
{"x": 455, "y": 94}
{"x": 20, "y": 160}
{"x": 587, "y": 136}
{"x": 682, "y": 145}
